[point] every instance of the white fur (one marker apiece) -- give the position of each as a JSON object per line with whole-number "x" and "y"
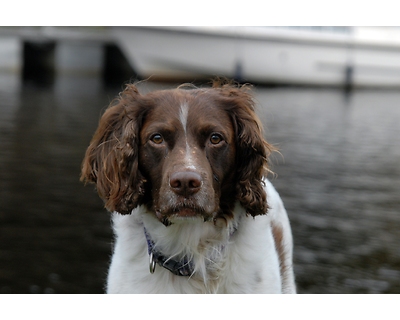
{"x": 183, "y": 115}
{"x": 183, "y": 118}
{"x": 238, "y": 258}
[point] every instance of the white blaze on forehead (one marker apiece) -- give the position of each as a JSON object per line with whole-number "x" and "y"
{"x": 183, "y": 117}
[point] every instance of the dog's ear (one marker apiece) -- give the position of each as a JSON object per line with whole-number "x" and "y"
{"x": 252, "y": 150}
{"x": 111, "y": 160}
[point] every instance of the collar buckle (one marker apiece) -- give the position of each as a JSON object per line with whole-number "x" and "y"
{"x": 152, "y": 263}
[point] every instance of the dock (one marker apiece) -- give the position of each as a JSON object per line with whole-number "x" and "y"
{"x": 37, "y": 51}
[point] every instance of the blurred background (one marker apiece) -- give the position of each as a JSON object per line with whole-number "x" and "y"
{"x": 329, "y": 98}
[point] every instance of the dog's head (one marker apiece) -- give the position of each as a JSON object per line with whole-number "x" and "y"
{"x": 182, "y": 153}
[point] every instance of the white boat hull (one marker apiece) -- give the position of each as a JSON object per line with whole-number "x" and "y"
{"x": 264, "y": 55}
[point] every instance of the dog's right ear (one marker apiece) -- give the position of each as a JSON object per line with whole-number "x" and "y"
{"x": 111, "y": 160}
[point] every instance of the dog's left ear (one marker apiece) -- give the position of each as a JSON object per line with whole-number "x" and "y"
{"x": 252, "y": 150}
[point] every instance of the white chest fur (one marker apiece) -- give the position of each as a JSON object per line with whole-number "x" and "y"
{"x": 243, "y": 261}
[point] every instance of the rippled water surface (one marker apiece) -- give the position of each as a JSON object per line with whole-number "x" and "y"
{"x": 338, "y": 174}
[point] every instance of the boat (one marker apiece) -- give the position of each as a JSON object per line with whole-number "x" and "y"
{"x": 324, "y": 56}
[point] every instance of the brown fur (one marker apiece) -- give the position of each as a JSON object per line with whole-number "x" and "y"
{"x": 277, "y": 233}
{"x": 115, "y": 159}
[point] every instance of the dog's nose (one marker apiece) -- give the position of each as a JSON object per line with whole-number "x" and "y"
{"x": 185, "y": 183}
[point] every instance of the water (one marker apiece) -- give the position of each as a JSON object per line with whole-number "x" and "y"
{"x": 338, "y": 174}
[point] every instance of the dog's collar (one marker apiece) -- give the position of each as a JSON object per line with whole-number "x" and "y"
{"x": 182, "y": 267}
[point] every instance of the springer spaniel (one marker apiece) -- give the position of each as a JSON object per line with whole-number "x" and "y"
{"x": 184, "y": 171}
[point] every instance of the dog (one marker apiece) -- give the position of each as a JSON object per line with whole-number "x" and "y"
{"x": 183, "y": 172}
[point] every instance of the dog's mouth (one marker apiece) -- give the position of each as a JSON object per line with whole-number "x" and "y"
{"x": 182, "y": 213}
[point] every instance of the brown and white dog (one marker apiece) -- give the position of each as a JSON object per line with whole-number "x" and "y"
{"x": 184, "y": 173}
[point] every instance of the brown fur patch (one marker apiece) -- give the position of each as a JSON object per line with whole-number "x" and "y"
{"x": 277, "y": 233}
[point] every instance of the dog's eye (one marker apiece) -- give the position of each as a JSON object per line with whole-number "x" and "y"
{"x": 157, "y": 138}
{"x": 215, "y": 138}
